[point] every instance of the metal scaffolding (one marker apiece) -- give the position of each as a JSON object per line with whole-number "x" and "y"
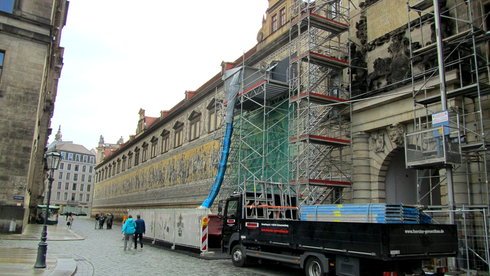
{"x": 448, "y": 146}
{"x": 319, "y": 119}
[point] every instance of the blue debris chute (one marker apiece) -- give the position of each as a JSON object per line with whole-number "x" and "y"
{"x": 232, "y": 80}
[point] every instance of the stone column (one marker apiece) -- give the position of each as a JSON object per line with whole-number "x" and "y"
{"x": 361, "y": 175}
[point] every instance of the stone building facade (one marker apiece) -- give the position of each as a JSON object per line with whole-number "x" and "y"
{"x": 31, "y": 60}
{"x": 73, "y": 184}
{"x": 172, "y": 161}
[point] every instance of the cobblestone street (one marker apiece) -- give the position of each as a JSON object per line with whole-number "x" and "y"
{"x": 101, "y": 253}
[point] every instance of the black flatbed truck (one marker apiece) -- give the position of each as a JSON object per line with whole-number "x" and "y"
{"x": 334, "y": 248}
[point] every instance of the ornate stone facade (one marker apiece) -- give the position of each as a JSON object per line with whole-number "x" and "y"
{"x": 30, "y": 66}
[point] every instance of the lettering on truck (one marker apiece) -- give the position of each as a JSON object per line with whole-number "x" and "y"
{"x": 275, "y": 228}
{"x": 425, "y": 232}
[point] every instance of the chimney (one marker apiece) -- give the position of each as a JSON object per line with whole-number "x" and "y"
{"x": 226, "y": 66}
{"x": 189, "y": 94}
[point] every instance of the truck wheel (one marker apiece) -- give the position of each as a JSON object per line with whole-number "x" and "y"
{"x": 238, "y": 256}
{"x": 314, "y": 267}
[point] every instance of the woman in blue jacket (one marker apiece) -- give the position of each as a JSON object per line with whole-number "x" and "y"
{"x": 128, "y": 230}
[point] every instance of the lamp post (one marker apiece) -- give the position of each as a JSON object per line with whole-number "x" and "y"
{"x": 52, "y": 160}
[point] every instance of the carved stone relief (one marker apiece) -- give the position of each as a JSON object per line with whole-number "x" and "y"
{"x": 396, "y": 133}
{"x": 377, "y": 142}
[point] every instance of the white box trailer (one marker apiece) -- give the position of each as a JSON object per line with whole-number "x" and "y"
{"x": 177, "y": 227}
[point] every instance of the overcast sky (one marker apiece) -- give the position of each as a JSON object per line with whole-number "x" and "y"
{"x": 123, "y": 55}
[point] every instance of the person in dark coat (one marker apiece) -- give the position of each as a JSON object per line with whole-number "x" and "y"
{"x": 140, "y": 230}
{"x": 109, "y": 221}
{"x": 101, "y": 221}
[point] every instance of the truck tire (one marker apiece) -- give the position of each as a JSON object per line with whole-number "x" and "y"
{"x": 238, "y": 256}
{"x": 314, "y": 267}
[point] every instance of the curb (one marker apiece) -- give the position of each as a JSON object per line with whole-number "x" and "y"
{"x": 64, "y": 267}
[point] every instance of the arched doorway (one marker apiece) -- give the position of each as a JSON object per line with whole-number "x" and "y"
{"x": 400, "y": 183}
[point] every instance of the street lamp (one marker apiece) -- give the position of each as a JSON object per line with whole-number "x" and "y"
{"x": 52, "y": 160}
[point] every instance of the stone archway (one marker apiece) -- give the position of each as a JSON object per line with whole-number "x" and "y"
{"x": 400, "y": 182}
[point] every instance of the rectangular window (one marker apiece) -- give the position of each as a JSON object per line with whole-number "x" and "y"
{"x": 73, "y": 197}
{"x": 90, "y": 169}
{"x": 214, "y": 120}
{"x": 7, "y": 6}
{"x": 274, "y": 25}
{"x": 77, "y": 157}
{"x": 58, "y": 196}
{"x": 88, "y": 197}
{"x": 165, "y": 143}
{"x": 62, "y": 165}
{"x": 76, "y": 168}
{"x": 75, "y": 177}
{"x": 85, "y": 159}
{"x": 69, "y": 167}
{"x": 80, "y": 197}
{"x": 88, "y": 188}
{"x": 60, "y": 175}
{"x": 92, "y": 160}
{"x": 130, "y": 160}
{"x": 74, "y": 187}
{"x": 89, "y": 178}
{"x": 154, "y": 144}
{"x": 70, "y": 156}
{"x": 179, "y": 137}
{"x": 282, "y": 16}
{"x": 84, "y": 168}
{"x": 67, "y": 185}
{"x": 65, "y": 196}
{"x": 59, "y": 185}
{"x": 67, "y": 176}
{"x": 81, "y": 187}
{"x": 195, "y": 128}
{"x": 144, "y": 154}
{"x": 136, "y": 157}
{"x": 83, "y": 178}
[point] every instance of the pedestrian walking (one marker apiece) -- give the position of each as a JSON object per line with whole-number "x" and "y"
{"x": 69, "y": 222}
{"x": 101, "y": 221}
{"x": 128, "y": 229}
{"x": 139, "y": 231}
{"x": 109, "y": 220}
{"x": 96, "y": 220}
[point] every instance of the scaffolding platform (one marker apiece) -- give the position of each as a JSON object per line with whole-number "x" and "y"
{"x": 422, "y": 5}
{"x": 453, "y": 41}
{"x": 470, "y": 91}
{"x": 260, "y": 86}
{"x": 321, "y": 22}
{"x": 324, "y": 60}
{"x": 323, "y": 182}
{"x": 321, "y": 140}
{"x": 318, "y": 98}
